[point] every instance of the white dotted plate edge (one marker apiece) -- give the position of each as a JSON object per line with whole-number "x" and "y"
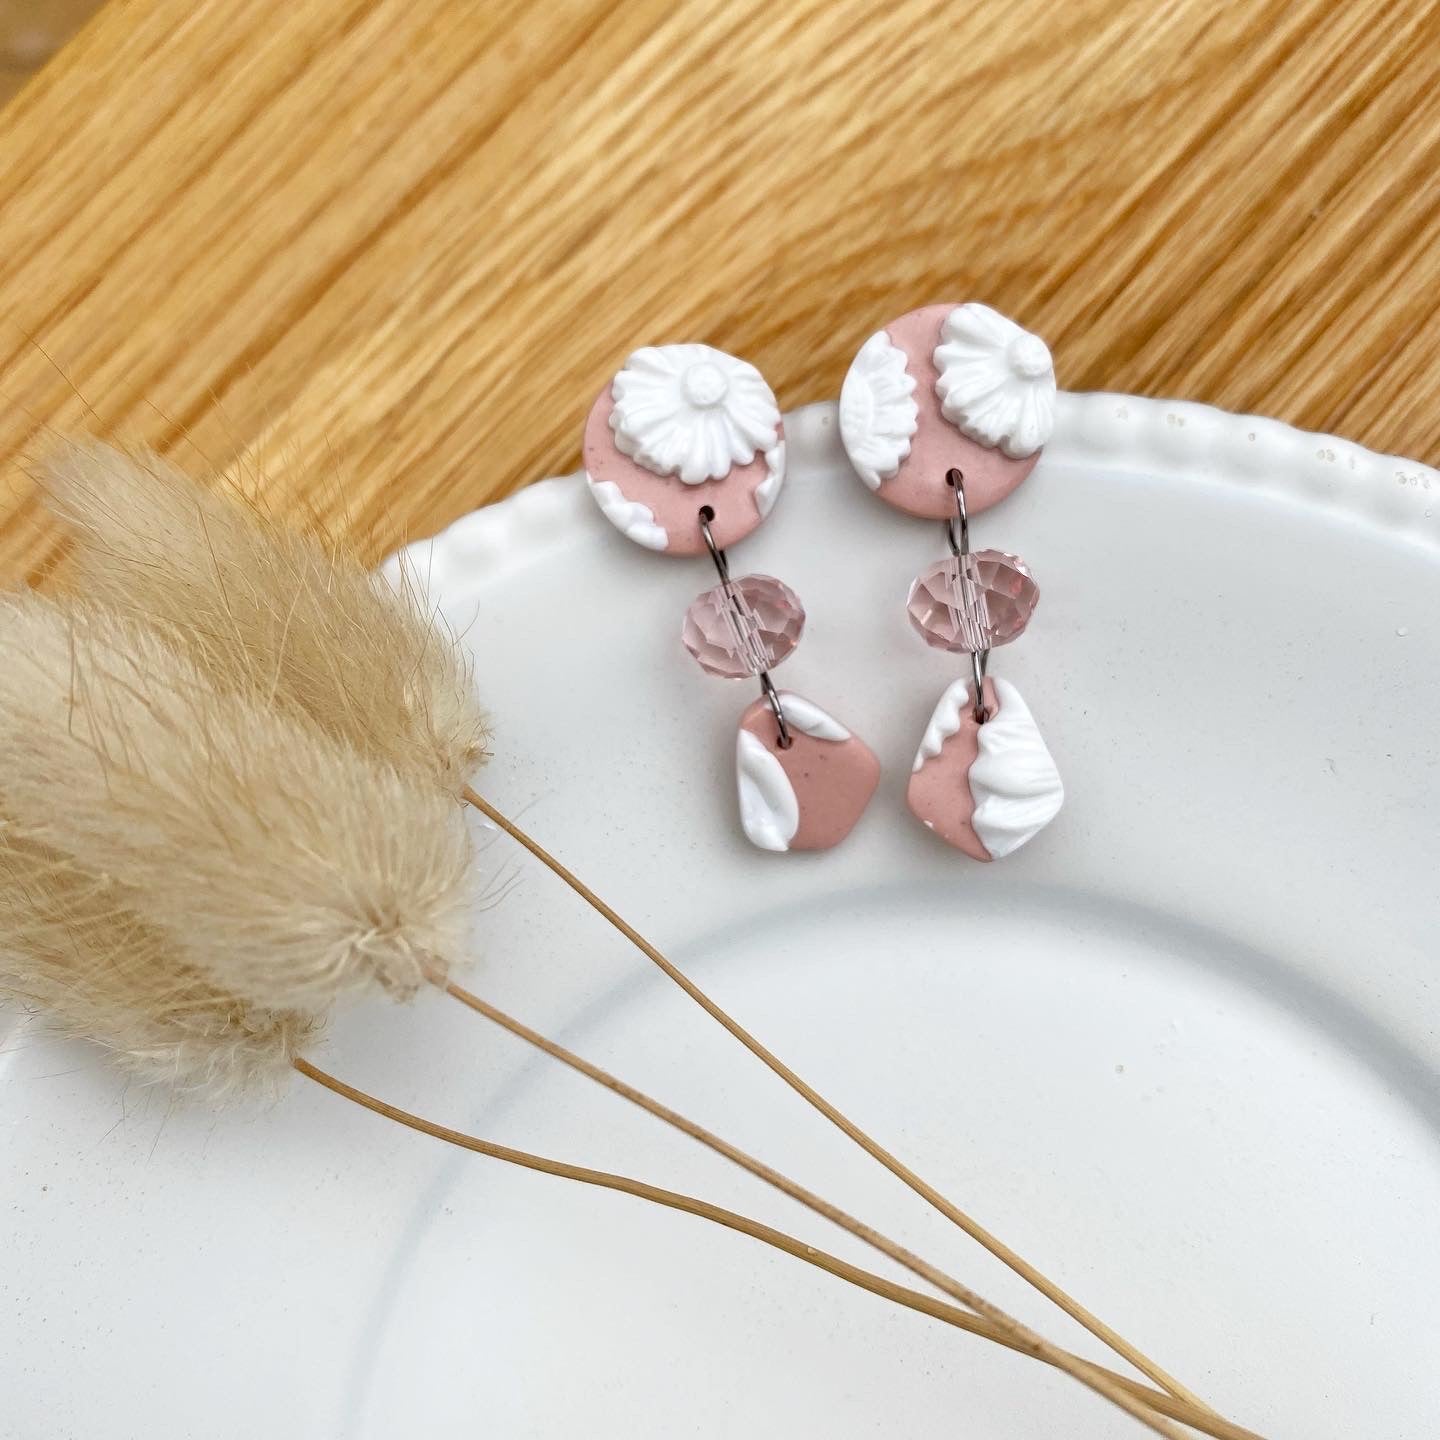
{"x": 1125, "y": 432}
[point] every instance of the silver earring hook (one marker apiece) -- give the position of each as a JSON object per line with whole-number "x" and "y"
{"x": 722, "y": 569}
{"x": 960, "y": 549}
{"x": 722, "y": 565}
{"x": 768, "y": 690}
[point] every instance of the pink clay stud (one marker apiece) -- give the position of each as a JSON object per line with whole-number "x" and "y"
{"x": 683, "y": 427}
{"x": 947, "y": 386}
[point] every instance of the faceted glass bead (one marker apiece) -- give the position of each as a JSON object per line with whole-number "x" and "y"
{"x": 743, "y": 627}
{"x": 973, "y": 602}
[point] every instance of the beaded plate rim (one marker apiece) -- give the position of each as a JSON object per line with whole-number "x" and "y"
{"x": 1131, "y": 433}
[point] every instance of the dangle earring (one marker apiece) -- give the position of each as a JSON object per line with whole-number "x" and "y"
{"x": 943, "y": 413}
{"x": 685, "y": 455}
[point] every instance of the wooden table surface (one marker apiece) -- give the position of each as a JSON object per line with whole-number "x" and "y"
{"x": 386, "y": 251}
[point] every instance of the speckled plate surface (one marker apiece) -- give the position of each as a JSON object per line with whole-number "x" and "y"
{"x": 1181, "y": 1051}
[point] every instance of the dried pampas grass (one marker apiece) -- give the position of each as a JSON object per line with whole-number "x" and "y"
{"x": 228, "y": 786}
{"x": 280, "y": 863}
{"x": 73, "y": 949}
{"x": 268, "y": 613}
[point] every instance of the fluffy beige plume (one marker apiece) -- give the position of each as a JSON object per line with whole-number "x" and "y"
{"x": 268, "y": 612}
{"x": 283, "y": 865}
{"x": 71, "y": 947}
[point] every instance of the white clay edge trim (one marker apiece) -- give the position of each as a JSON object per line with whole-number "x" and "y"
{"x": 945, "y": 720}
{"x": 632, "y": 519}
{"x": 809, "y": 719}
{"x": 769, "y": 810}
{"x": 1014, "y": 782}
{"x": 878, "y": 414}
{"x": 995, "y": 381}
{"x": 767, "y": 492}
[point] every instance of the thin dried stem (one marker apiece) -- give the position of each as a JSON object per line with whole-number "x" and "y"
{"x": 945, "y": 1283}
{"x": 873, "y": 1148}
{"x": 1151, "y": 1407}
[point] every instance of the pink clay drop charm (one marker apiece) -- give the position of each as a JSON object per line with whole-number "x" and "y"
{"x": 985, "y": 789}
{"x": 806, "y": 796}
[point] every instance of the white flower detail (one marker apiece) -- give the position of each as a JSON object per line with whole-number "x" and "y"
{"x": 878, "y": 413}
{"x": 1014, "y": 781}
{"x": 996, "y": 382}
{"x": 692, "y": 411}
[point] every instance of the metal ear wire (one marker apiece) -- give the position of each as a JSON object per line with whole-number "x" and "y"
{"x": 722, "y": 569}
{"x": 722, "y": 565}
{"x": 955, "y": 479}
{"x": 768, "y": 690}
{"x": 960, "y": 549}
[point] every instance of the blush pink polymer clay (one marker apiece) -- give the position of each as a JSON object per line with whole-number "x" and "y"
{"x": 995, "y": 377}
{"x": 681, "y": 429}
{"x": 807, "y": 796}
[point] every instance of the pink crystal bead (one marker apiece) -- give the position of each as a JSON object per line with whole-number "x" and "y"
{"x": 973, "y": 602}
{"x": 744, "y": 627}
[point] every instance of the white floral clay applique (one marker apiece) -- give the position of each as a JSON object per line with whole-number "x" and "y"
{"x": 691, "y": 411}
{"x": 878, "y": 413}
{"x": 996, "y": 382}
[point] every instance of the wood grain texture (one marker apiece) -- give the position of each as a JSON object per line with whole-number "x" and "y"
{"x": 387, "y": 251}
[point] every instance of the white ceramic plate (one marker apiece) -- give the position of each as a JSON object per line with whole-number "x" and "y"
{"x": 1181, "y": 1051}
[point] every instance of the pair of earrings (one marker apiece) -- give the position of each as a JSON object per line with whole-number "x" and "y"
{"x": 943, "y": 413}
